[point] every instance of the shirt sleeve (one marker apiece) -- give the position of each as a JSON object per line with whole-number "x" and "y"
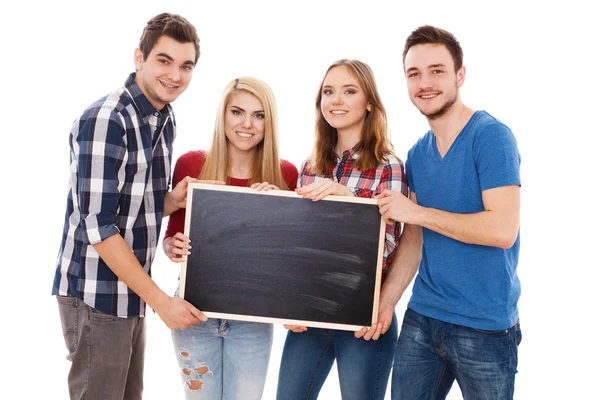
{"x": 392, "y": 178}
{"x": 290, "y": 174}
{"x": 99, "y": 146}
{"x": 497, "y": 157}
{"x": 177, "y": 219}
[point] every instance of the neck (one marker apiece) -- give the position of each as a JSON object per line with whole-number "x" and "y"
{"x": 347, "y": 139}
{"x": 240, "y": 162}
{"x": 447, "y": 127}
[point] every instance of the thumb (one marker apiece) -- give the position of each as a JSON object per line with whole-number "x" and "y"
{"x": 197, "y": 313}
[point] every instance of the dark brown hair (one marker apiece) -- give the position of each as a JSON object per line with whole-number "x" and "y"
{"x": 428, "y": 34}
{"x": 374, "y": 141}
{"x": 172, "y": 25}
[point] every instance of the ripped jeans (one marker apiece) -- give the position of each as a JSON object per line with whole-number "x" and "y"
{"x": 223, "y": 359}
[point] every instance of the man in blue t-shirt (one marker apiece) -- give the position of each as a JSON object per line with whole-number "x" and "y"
{"x": 461, "y": 233}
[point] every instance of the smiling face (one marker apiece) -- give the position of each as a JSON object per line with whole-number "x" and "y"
{"x": 166, "y": 72}
{"x": 431, "y": 80}
{"x": 244, "y": 121}
{"x": 343, "y": 101}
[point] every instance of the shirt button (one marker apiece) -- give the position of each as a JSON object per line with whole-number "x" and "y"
{"x": 156, "y": 114}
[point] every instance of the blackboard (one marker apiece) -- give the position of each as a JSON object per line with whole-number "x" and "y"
{"x": 276, "y": 257}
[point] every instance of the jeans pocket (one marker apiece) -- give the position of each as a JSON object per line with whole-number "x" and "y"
{"x": 500, "y": 333}
{"x": 99, "y": 316}
{"x": 69, "y": 320}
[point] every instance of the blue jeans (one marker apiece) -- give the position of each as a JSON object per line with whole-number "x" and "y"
{"x": 224, "y": 359}
{"x": 363, "y": 366}
{"x": 431, "y": 354}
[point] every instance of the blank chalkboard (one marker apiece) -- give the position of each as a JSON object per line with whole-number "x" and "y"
{"x": 276, "y": 257}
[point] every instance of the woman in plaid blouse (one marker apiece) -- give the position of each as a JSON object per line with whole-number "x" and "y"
{"x": 352, "y": 157}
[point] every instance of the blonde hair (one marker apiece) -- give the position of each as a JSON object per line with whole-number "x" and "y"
{"x": 374, "y": 139}
{"x": 266, "y": 166}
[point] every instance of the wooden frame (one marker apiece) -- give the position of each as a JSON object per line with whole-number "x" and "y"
{"x": 196, "y": 190}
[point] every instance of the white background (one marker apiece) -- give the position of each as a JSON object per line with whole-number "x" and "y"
{"x": 531, "y": 66}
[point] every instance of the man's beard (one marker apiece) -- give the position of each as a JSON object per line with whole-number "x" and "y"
{"x": 441, "y": 111}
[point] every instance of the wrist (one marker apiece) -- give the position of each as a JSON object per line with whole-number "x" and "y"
{"x": 172, "y": 200}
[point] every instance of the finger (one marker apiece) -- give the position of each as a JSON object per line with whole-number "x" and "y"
{"x": 385, "y": 327}
{"x": 271, "y": 187}
{"x": 182, "y": 237}
{"x": 318, "y": 189}
{"x": 378, "y": 331}
{"x": 254, "y": 185}
{"x": 361, "y": 332}
{"x": 197, "y": 313}
{"x": 370, "y": 332}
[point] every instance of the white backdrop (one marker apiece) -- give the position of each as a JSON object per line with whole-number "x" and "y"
{"x": 530, "y": 66}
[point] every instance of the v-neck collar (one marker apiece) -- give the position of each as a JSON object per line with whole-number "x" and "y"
{"x": 436, "y": 151}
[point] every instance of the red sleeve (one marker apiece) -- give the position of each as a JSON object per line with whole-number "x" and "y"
{"x": 290, "y": 174}
{"x": 190, "y": 164}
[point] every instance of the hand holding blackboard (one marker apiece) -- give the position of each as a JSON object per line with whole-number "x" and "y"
{"x": 271, "y": 256}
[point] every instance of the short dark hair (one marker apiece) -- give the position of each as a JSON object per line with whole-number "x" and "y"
{"x": 428, "y": 34}
{"x": 172, "y": 25}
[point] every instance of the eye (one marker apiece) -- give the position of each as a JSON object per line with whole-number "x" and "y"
{"x": 163, "y": 61}
{"x": 413, "y": 74}
{"x": 260, "y": 116}
{"x": 236, "y": 112}
{"x": 188, "y": 67}
{"x": 437, "y": 71}
{"x": 327, "y": 91}
{"x": 350, "y": 91}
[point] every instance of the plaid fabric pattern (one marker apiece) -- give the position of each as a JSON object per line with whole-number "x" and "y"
{"x": 367, "y": 184}
{"x": 121, "y": 150}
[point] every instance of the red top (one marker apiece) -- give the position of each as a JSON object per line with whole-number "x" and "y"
{"x": 191, "y": 164}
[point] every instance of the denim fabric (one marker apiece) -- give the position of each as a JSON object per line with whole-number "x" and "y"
{"x": 223, "y": 359}
{"x": 363, "y": 366}
{"x": 106, "y": 352}
{"x": 431, "y": 354}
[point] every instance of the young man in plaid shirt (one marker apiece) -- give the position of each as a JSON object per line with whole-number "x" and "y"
{"x": 121, "y": 150}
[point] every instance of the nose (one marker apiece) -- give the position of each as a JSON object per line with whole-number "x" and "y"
{"x": 337, "y": 99}
{"x": 174, "y": 74}
{"x": 247, "y": 122}
{"x": 425, "y": 83}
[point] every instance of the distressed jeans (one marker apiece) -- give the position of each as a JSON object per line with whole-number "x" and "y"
{"x": 363, "y": 366}
{"x": 106, "y": 352}
{"x": 223, "y": 359}
{"x": 431, "y": 354}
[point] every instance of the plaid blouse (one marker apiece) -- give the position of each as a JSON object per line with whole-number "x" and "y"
{"x": 368, "y": 184}
{"x": 121, "y": 150}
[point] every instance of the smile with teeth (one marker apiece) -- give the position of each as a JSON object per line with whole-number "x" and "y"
{"x": 428, "y": 96}
{"x": 338, "y": 112}
{"x": 244, "y": 134}
{"x": 168, "y": 86}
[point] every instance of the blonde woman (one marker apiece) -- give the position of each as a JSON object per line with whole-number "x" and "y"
{"x": 223, "y": 359}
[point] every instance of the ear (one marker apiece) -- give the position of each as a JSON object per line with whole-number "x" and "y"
{"x": 138, "y": 59}
{"x": 369, "y": 107}
{"x": 460, "y": 76}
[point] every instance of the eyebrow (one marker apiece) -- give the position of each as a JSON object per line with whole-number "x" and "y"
{"x": 241, "y": 109}
{"x": 344, "y": 86}
{"x": 168, "y": 57}
{"x": 429, "y": 66}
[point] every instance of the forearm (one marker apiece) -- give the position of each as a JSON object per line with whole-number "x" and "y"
{"x": 487, "y": 228}
{"x": 165, "y": 245}
{"x": 170, "y": 205}
{"x": 404, "y": 267}
{"x": 120, "y": 259}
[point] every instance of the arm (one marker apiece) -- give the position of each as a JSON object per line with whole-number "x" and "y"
{"x": 497, "y": 225}
{"x": 401, "y": 272}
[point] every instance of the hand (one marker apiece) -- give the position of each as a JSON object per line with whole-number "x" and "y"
{"x": 322, "y": 187}
{"x": 177, "y": 313}
{"x": 384, "y": 320}
{"x": 266, "y": 186}
{"x": 179, "y": 192}
{"x": 178, "y": 247}
{"x": 394, "y": 206}
{"x": 296, "y": 328}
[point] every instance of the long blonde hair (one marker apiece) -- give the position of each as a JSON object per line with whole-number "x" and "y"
{"x": 266, "y": 166}
{"x": 374, "y": 139}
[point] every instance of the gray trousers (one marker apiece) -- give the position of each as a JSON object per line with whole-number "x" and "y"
{"x": 106, "y": 352}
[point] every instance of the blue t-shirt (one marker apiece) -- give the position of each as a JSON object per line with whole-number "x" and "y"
{"x": 465, "y": 284}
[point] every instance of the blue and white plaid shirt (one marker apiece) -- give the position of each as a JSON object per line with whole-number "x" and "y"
{"x": 120, "y": 173}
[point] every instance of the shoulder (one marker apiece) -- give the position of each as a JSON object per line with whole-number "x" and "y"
{"x": 192, "y": 160}
{"x": 113, "y": 108}
{"x": 421, "y": 144}
{"x": 392, "y": 160}
{"x": 287, "y": 167}
{"x": 489, "y": 129}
